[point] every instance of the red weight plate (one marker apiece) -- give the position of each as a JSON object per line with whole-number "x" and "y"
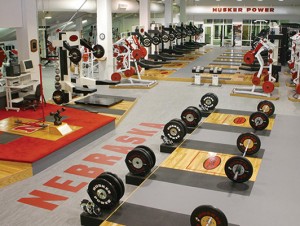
{"x": 255, "y": 80}
{"x": 119, "y": 65}
{"x": 249, "y": 57}
{"x": 116, "y": 76}
{"x": 136, "y": 54}
{"x": 132, "y": 70}
{"x": 268, "y": 87}
{"x": 143, "y": 51}
{"x": 291, "y": 64}
{"x": 85, "y": 57}
{"x": 298, "y": 89}
{"x": 270, "y": 61}
{"x": 139, "y": 68}
{"x": 266, "y": 78}
{"x": 122, "y": 49}
{"x": 128, "y": 73}
{"x": 270, "y": 51}
{"x": 294, "y": 74}
{"x": 265, "y": 71}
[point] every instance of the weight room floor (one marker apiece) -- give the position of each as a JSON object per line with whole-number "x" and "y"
{"x": 274, "y": 198}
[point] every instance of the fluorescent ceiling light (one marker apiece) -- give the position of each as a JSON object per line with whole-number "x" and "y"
{"x": 84, "y": 21}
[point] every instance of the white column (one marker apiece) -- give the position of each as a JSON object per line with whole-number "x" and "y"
{"x": 104, "y": 28}
{"x": 182, "y": 11}
{"x": 28, "y": 32}
{"x": 168, "y": 12}
{"x": 145, "y": 14}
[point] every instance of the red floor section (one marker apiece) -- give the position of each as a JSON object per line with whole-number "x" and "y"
{"x": 28, "y": 149}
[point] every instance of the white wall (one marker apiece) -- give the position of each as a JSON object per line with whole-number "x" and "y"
{"x": 11, "y": 13}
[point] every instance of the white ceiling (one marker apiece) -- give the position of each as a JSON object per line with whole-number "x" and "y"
{"x": 60, "y": 16}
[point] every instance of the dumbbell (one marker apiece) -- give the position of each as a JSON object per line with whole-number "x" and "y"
{"x": 106, "y": 190}
{"x": 259, "y": 120}
{"x": 208, "y": 101}
{"x": 140, "y": 160}
{"x": 90, "y": 208}
{"x": 238, "y": 168}
{"x": 175, "y": 130}
{"x": 207, "y": 215}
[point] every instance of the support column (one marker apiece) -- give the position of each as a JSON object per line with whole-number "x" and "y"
{"x": 182, "y": 12}
{"x": 145, "y": 14}
{"x": 104, "y": 30}
{"x": 168, "y": 12}
{"x": 29, "y": 32}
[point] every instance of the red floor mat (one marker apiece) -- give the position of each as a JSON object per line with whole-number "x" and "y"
{"x": 28, "y": 149}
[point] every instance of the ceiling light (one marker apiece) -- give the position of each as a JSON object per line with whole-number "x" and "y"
{"x": 48, "y": 16}
{"x": 239, "y": 0}
{"x": 84, "y": 21}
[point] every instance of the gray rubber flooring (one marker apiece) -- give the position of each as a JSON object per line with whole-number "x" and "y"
{"x": 273, "y": 200}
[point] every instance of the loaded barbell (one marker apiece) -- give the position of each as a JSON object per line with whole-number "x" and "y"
{"x": 259, "y": 120}
{"x": 106, "y": 190}
{"x": 238, "y": 168}
{"x": 207, "y": 215}
{"x": 140, "y": 160}
{"x": 209, "y": 101}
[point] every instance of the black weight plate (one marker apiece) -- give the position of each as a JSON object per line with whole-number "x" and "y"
{"x": 178, "y": 35}
{"x": 58, "y": 97}
{"x": 156, "y": 40}
{"x": 172, "y": 37}
{"x": 149, "y": 157}
{"x": 266, "y": 107}
{"x": 191, "y": 116}
{"x": 146, "y": 42}
{"x": 138, "y": 162}
{"x": 102, "y": 193}
{"x": 174, "y": 131}
{"x": 114, "y": 181}
{"x": 182, "y": 123}
{"x": 98, "y": 51}
{"x": 216, "y": 98}
{"x": 150, "y": 152}
{"x": 259, "y": 120}
{"x": 248, "y": 139}
{"x": 165, "y": 38}
{"x": 197, "y": 109}
{"x": 241, "y": 165}
{"x": 75, "y": 55}
{"x": 209, "y": 101}
{"x": 119, "y": 179}
{"x": 204, "y": 214}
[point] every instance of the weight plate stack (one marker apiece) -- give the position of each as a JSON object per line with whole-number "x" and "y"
{"x": 75, "y": 55}
{"x": 175, "y": 130}
{"x": 208, "y": 215}
{"x": 238, "y": 169}
{"x": 150, "y": 152}
{"x": 103, "y": 193}
{"x": 191, "y": 116}
{"x": 139, "y": 162}
{"x": 259, "y": 120}
{"x": 115, "y": 181}
{"x": 248, "y": 139}
{"x": 266, "y": 107}
{"x": 209, "y": 101}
